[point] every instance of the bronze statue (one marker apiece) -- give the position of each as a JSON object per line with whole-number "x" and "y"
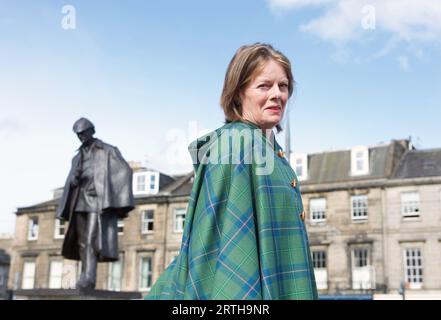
{"x": 97, "y": 193}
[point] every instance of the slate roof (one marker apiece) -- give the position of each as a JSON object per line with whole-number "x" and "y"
{"x": 335, "y": 166}
{"x": 391, "y": 161}
{"x": 419, "y": 164}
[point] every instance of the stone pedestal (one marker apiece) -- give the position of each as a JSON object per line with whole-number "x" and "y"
{"x": 75, "y": 294}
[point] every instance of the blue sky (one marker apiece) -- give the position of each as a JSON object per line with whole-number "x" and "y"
{"x": 149, "y": 75}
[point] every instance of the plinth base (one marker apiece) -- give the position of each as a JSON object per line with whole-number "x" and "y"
{"x": 75, "y": 294}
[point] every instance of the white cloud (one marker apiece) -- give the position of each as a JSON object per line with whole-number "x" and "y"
{"x": 338, "y": 24}
{"x": 297, "y": 3}
{"x": 341, "y": 20}
{"x": 404, "y": 62}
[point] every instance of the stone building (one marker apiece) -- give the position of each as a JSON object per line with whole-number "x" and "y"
{"x": 373, "y": 219}
{"x": 148, "y": 239}
{"x": 5, "y": 260}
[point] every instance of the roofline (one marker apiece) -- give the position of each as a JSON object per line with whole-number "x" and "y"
{"x": 379, "y": 145}
{"x": 305, "y": 189}
{"x": 158, "y": 198}
{"x": 425, "y": 150}
{"x": 364, "y": 184}
{"x": 179, "y": 182}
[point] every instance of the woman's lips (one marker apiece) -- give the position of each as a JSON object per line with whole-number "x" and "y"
{"x": 274, "y": 109}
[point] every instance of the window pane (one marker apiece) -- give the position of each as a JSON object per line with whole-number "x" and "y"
{"x": 120, "y": 226}
{"x": 28, "y": 275}
{"x": 359, "y": 161}
{"x": 152, "y": 182}
{"x": 318, "y": 209}
{"x": 413, "y": 265}
{"x": 33, "y": 228}
{"x": 140, "y": 183}
{"x": 410, "y": 204}
{"x": 360, "y": 258}
{"x": 319, "y": 259}
{"x": 147, "y": 221}
{"x": 360, "y": 165}
{"x": 179, "y": 219}
{"x": 146, "y": 273}
{"x": 115, "y": 274}
{"x": 359, "y": 207}
{"x": 60, "y": 228}
{"x": 55, "y": 274}
{"x": 363, "y": 274}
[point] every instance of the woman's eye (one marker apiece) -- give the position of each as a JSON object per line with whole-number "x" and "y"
{"x": 263, "y": 85}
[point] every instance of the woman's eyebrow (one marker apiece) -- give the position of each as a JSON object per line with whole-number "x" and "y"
{"x": 263, "y": 78}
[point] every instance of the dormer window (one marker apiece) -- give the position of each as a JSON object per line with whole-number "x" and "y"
{"x": 359, "y": 161}
{"x": 152, "y": 182}
{"x": 145, "y": 182}
{"x": 299, "y": 163}
{"x": 140, "y": 183}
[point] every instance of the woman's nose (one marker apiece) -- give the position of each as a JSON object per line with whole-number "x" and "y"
{"x": 275, "y": 92}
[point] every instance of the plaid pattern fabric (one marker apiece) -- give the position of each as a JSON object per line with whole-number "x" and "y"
{"x": 243, "y": 237}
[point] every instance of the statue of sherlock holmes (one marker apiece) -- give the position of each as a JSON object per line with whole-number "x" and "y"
{"x": 97, "y": 193}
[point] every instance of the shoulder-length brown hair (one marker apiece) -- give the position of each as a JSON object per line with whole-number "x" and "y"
{"x": 245, "y": 64}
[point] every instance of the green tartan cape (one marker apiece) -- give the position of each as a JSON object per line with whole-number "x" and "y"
{"x": 243, "y": 236}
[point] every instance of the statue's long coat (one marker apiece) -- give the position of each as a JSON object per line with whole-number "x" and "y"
{"x": 113, "y": 184}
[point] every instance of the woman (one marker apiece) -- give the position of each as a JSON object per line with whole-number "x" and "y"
{"x": 244, "y": 235}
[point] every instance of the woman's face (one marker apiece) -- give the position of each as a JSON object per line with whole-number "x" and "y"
{"x": 265, "y": 97}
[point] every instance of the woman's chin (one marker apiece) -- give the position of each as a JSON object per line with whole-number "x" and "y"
{"x": 271, "y": 122}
